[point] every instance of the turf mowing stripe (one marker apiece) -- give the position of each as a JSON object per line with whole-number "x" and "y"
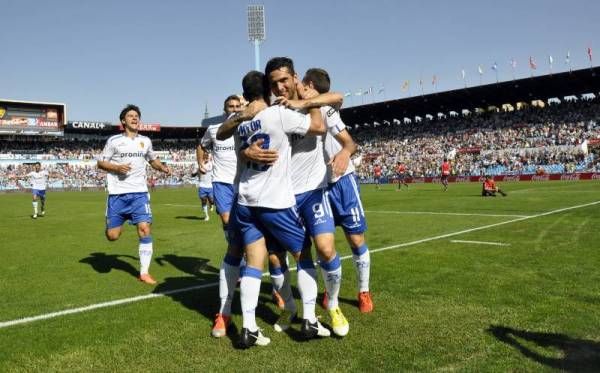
{"x": 481, "y": 243}
{"x": 443, "y": 213}
{"x": 117, "y": 302}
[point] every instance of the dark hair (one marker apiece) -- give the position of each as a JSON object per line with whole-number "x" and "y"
{"x": 319, "y": 78}
{"x": 255, "y": 86}
{"x": 277, "y": 63}
{"x": 127, "y": 109}
{"x": 445, "y": 159}
{"x": 38, "y": 163}
{"x": 229, "y": 98}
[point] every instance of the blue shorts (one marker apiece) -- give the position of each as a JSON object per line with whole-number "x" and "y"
{"x": 39, "y": 192}
{"x": 223, "y": 196}
{"x": 348, "y": 212}
{"x": 134, "y": 207}
{"x": 282, "y": 229}
{"x": 315, "y": 210}
{"x": 205, "y": 193}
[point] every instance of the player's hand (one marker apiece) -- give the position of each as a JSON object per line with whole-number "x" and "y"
{"x": 167, "y": 170}
{"x": 307, "y": 92}
{"x": 257, "y": 154}
{"x": 339, "y": 163}
{"x": 288, "y": 103}
{"x": 123, "y": 168}
{"x": 201, "y": 169}
{"x": 252, "y": 109}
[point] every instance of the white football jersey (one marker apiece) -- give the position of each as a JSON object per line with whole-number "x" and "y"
{"x": 38, "y": 180}
{"x": 135, "y": 152}
{"x": 224, "y": 155}
{"x": 309, "y": 171}
{"x": 270, "y": 186}
{"x": 205, "y": 180}
{"x": 335, "y": 125}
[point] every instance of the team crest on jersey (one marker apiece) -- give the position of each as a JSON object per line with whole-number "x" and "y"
{"x": 142, "y": 144}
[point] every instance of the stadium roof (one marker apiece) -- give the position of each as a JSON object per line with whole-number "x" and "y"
{"x": 575, "y": 83}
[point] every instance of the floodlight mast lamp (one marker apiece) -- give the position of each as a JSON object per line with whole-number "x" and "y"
{"x": 256, "y": 30}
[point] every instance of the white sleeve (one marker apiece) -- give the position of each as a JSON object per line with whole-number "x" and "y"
{"x": 108, "y": 152}
{"x": 333, "y": 120}
{"x": 206, "y": 141}
{"x": 294, "y": 122}
{"x": 150, "y": 155}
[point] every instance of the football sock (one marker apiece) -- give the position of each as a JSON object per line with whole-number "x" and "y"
{"x": 280, "y": 278}
{"x": 362, "y": 262}
{"x": 307, "y": 285}
{"x": 35, "y": 206}
{"x": 228, "y": 276}
{"x": 332, "y": 276}
{"x": 205, "y": 209}
{"x": 249, "y": 291}
{"x": 145, "y": 251}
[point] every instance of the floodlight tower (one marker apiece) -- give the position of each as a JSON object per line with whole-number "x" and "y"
{"x": 256, "y": 30}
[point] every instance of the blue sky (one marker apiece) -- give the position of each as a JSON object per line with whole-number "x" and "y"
{"x": 173, "y": 57}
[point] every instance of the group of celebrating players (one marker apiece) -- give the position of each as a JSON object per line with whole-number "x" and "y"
{"x": 282, "y": 179}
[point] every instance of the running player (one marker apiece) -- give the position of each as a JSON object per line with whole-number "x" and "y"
{"x": 38, "y": 179}
{"x": 265, "y": 209}
{"x": 205, "y": 188}
{"x": 343, "y": 190}
{"x": 445, "y": 173}
{"x": 223, "y": 175}
{"x": 401, "y": 174}
{"x": 377, "y": 176}
{"x": 124, "y": 159}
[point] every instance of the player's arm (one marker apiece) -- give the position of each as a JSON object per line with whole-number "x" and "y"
{"x": 227, "y": 129}
{"x": 200, "y": 151}
{"x": 317, "y": 124}
{"x": 159, "y": 166}
{"x": 340, "y": 161}
{"x": 309, "y": 98}
{"x": 113, "y": 167}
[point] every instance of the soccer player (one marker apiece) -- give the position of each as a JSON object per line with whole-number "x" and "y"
{"x": 223, "y": 175}
{"x": 401, "y": 173}
{"x": 309, "y": 179}
{"x": 489, "y": 188}
{"x": 343, "y": 191}
{"x": 205, "y": 188}
{"x": 265, "y": 208}
{"x": 124, "y": 159}
{"x": 377, "y": 175}
{"x": 38, "y": 180}
{"x": 445, "y": 173}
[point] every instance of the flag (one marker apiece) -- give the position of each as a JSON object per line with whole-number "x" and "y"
{"x": 434, "y": 80}
{"x": 589, "y": 52}
{"x": 532, "y": 63}
{"x": 347, "y": 94}
{"x": 386, "y": 122}
{"x": 550, "y": 60}
{"x": 495, "y": 66}
{"x": 405, "y": 85}
{"x": 463, "y": 74}
{"x": 358, "y": 93}
{"x": 381, "y": 90}
{"x": 368, "y": 91}
{"x": 568, "y": 58}
{"x": 421, "y": 82}
{"x": 396, "y": 121}
{"x": 480, "y": 69}
{"x": 376, "y": 124}
{"x": 513, "y": 63}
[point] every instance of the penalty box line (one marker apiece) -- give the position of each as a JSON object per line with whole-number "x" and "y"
{"x": 139, "y": 298}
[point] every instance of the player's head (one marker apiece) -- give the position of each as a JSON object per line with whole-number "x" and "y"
{"x": 282, "y": 77}
{"x": 487, "y": 177}
{"x": 445, "y": 159}
{"x": 37, "y": 166}
{"x": 317, "y": 79}
{"x": 255, "y": 86}
{"x": 232, "y": 104}
{"x": 130, "y": 117}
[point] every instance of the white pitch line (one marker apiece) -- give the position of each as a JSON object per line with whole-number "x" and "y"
{"x": 51, "y": 315}
{"x": 444, "y": 213}
{"x": 481, "y": 242}
{"x": 197, "y": 205}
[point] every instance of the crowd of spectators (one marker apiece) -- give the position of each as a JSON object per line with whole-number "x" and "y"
{"x": 554, "y": 139}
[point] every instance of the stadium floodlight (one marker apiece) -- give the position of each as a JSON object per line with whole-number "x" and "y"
{"x": 256, "y": 30}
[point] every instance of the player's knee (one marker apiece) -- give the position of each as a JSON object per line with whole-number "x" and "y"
{"x": 356, "y": 240}
{"x": 112, "y": 235}
{"x": 144, "y": 230}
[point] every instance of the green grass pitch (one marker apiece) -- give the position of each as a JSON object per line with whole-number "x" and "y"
{"x": 529, "y": 303}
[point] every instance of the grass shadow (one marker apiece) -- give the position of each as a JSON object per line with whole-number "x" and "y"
{"x": 577, "y": 355}
{"x": 104, "y": 263}
{"x": 190, "y": 217}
